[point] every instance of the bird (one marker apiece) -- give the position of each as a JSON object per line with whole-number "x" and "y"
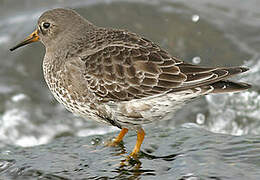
{"x": 118, "y": 77}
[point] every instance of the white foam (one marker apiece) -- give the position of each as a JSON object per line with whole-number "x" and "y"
{"x": 4, "y": 39}
{"x": 96, "y": 131}
{"x": 19, "y": 97}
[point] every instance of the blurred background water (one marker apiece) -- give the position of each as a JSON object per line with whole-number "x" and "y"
{"x": 205, "y": 32}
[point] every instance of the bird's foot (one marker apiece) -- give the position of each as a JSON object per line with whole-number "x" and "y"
{"x": 131, "y": 160}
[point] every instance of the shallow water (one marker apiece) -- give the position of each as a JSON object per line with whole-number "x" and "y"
{"x": 222, "y": 33}
{"x": 183, "y": 153}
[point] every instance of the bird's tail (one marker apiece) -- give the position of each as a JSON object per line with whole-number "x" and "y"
{"x": 225, "y": 86}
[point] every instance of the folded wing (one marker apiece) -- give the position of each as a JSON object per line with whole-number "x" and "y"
{"x": 120, "y": 72}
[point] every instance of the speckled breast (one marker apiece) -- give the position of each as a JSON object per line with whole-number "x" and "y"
{"x": 64, "y": 94}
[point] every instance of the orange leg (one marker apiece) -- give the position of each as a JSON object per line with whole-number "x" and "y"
{"x": 139, "y": 141}
{"x": 120, "y": 136}
{"x": 118, "y": 139}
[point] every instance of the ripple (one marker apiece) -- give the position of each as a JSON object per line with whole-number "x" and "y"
{"x": 5, "y": 164}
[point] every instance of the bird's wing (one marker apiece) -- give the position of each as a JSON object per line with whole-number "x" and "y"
{"x": 119, "y": 72}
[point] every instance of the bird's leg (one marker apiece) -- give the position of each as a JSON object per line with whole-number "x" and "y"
{"x": 119, "y": 138}
{"x": 132, "y": 158}
{"x": 139, "y": 141}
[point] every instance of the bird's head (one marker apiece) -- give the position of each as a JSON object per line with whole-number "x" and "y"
{"x": 53, "y": 25}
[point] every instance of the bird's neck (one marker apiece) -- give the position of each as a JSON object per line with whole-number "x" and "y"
{"x": 71, "y": 43}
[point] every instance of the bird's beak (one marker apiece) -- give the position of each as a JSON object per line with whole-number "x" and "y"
{"x": 31, "y": 38}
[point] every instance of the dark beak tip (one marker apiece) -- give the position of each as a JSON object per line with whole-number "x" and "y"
{"x": 12, "y": 49}
{"x": 30, "y": 39}
{"x": 15, "y": 47}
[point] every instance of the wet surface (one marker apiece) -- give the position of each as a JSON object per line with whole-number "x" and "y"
{"x": 222, "y": 33}
{"x": 183, "y": 153}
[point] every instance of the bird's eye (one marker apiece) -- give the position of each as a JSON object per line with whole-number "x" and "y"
{"x": 46, "y": 25}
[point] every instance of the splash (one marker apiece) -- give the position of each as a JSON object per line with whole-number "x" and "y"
{"x": 237, "y": 113}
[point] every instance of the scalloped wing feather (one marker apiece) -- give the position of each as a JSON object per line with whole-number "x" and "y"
{"x": 123, "y": 71}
